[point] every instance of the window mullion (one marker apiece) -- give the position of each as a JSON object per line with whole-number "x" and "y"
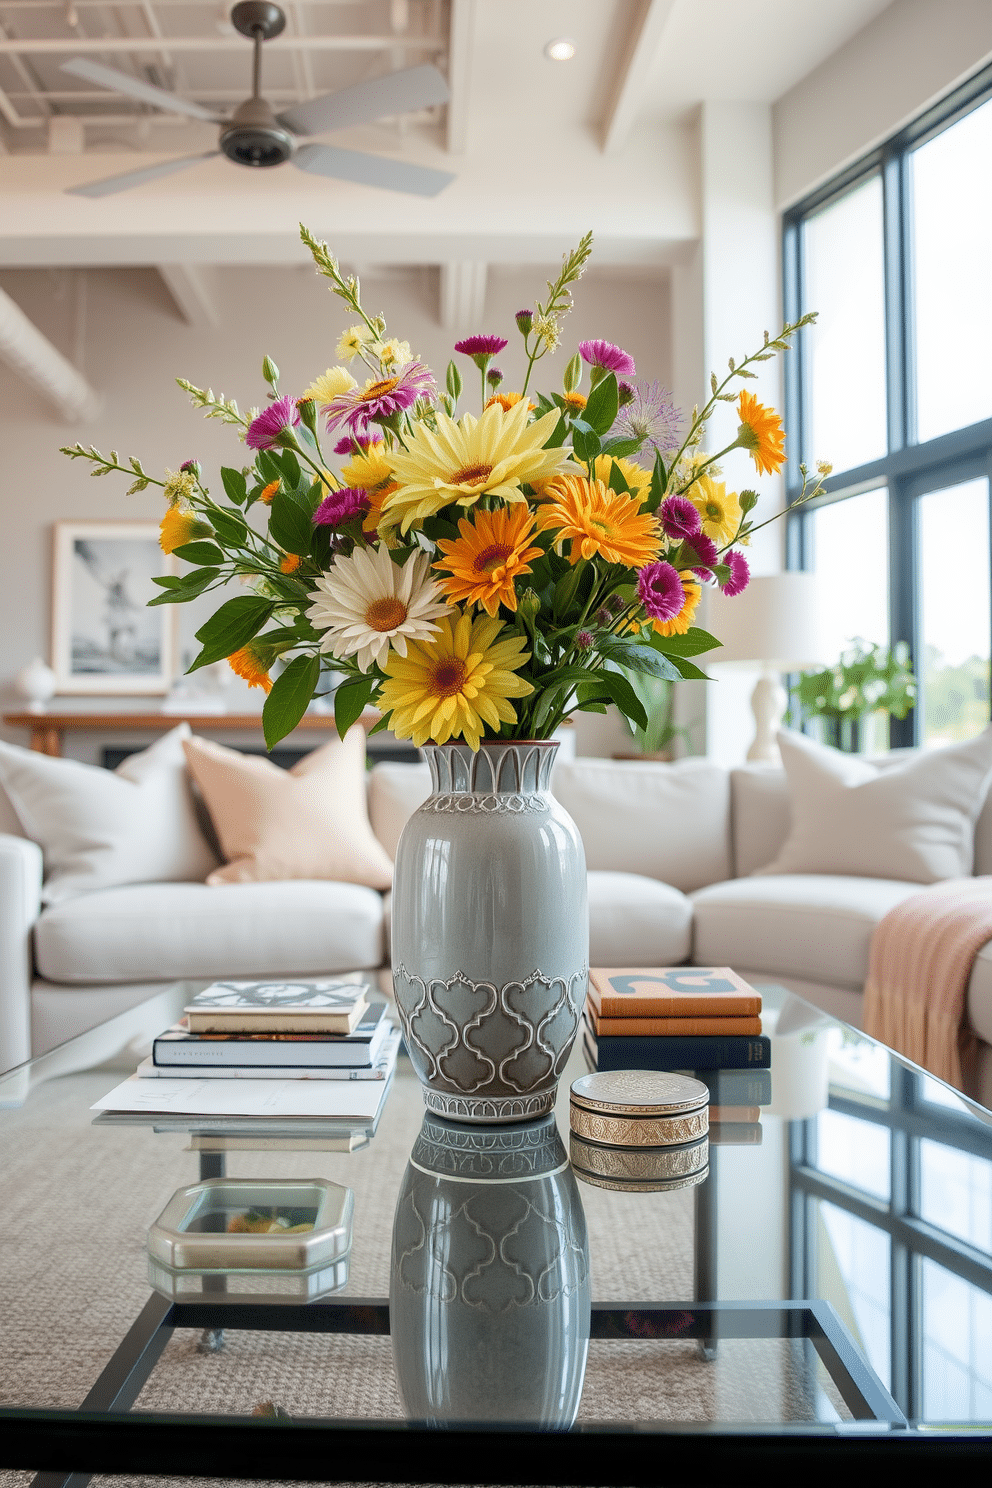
{"x": 895, "y": 229}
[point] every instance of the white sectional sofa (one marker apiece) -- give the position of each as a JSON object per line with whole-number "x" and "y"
{"x": 674, "y": 855}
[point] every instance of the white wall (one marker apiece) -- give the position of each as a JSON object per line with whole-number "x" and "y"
{"x": 129, "y": 340}
{"x": 906, "y": 59}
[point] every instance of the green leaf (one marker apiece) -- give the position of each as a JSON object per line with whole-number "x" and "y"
{"x": 621, "y": 448}
{"x": 573, "y": 374}
{"x": 289, "y": 698}
{"x": 453, "y": 381}
{"x": 235, "y": 485}
{"x": 168, "y": 581}
{"x": 689, "y": 671}
{"x": 350, "y": 701}
{"x": 618, "y": 481}
{"x": 200, "y": 552}
{"x": 267, "y": 467}
{"x": 230, "y": 528}
{"x": 637, "y": 657}
{"x": 231, "y": 627}
{"x": 558, "y": 434}
{"x": 586, "y": 446}
{"x": 626, "y": 699}
{"x": 693, "y": 643}
{"x": 659, "y": 484}
{"x": 290, "y": 467}
{"x": 188, "y": 587}
{"x": 290, "y": 525}
{"x": 603, "y": 405}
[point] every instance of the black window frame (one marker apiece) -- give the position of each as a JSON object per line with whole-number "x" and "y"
{"x": 910, "y": 468}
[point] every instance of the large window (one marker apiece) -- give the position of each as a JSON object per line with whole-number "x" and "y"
{"x": 893, "y": 385}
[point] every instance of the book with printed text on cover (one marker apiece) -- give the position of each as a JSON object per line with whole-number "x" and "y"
{"x": 359, "y": 1048}
{"x": 671, "y": 992}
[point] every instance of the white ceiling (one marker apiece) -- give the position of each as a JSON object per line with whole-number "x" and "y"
{"x": 537, "y": 146}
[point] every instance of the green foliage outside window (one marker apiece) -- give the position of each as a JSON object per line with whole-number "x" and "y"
{"x": 867, "y": 679}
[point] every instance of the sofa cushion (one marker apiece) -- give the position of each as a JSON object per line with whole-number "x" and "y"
{"x": 163, "y": 931}
{"x": 99, "y": 828}
{"x": 307, "y": 822}
{"x": 637, "y": 921}
{"x": 814, "y": 926}
{"x": 669, "y": 822}
{"x": 760, "y": 820}
{"x": 913, "y": 820}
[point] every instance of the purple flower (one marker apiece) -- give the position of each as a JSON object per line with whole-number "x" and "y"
{"x": 626, "y": 393}
{"x": 380, "y": 398}
{"x": 740, "y": 573}
{"x": 679, "y": 517}
{"x": 705, "y": 548}
{"x": 651, "y": 417}
{"x": 494, "y": 377}
{"x": 611, "y": 358}
{"x": 583, "y": 641}
{"x": 193, "y": 466}
{"x": 341, "y": 507}
{"x": 524, "y": 319}
{"x": 486, "y": 346}
{"x": 272, "y": 423}
{"x": 351, "y": 442}
{"x": 660, "y": 590}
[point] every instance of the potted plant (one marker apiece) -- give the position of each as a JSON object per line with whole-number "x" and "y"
{"x": 866, "y": 679}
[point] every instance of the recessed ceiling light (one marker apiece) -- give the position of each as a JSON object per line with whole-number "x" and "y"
{"x": 560, "y": 50}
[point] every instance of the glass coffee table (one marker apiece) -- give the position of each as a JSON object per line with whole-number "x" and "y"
{"x": 823, "y": 1284}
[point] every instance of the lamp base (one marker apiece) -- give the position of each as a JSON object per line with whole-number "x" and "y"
{"x": 768, "y": 703}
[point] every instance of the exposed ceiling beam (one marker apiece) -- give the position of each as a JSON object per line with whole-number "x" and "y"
{"x": 78, "y": 45}
{"x": 645, "y": 39}
{"x": 191, "y": 290}
{"x": 463, "y": 294}
{"x": 460, "y": 49}
{"x": 33, "y": 357}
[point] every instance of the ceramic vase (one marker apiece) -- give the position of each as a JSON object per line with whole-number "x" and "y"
{"x": 490, "y": 932}
{"x": 489, "y": 1300}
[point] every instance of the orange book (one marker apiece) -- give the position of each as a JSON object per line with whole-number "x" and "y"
{"x": 672, "y": 1027}
{"x": 710, "y": 992}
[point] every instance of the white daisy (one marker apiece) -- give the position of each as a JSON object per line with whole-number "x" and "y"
{"x": 367, "y": 603}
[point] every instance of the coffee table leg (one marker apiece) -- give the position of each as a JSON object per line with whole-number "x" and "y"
{"x": 705, "y": 1252}
{"x": 212, "y": 1165}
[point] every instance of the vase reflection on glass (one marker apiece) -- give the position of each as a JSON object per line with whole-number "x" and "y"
{"x": 489, "y": 1300}
{"x": 490, "y": 932}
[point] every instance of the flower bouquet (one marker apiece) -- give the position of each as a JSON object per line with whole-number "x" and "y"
{"x": 470, "y": 574}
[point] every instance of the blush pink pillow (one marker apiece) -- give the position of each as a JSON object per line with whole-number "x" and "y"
{"x": 307, "y": 822}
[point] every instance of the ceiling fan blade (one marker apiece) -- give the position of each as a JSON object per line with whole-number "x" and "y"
{"x": 120, "y": 82}
{"x": 371, "y": 170}
{"x": 111, "y": 184}
{"x": 396, "y": 93}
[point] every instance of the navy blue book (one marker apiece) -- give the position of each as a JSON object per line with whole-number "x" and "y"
{"x": 712, "y": 1051}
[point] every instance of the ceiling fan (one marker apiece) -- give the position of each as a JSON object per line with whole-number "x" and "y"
{"x": 256, "y": 136}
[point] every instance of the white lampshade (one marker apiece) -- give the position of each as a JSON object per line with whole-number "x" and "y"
{"x": 775, "y": 622}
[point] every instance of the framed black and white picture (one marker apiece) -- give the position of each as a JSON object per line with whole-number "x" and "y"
{"x": 105, "y": 640}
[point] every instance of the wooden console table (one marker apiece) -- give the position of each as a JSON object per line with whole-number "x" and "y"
{"x": 48, "y": 728}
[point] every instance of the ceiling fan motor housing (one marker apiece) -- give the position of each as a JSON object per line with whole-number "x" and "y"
{"x": 253, "y": 136}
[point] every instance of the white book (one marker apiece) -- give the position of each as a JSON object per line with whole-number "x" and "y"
{"x": 380, "y": 1070}
{"x": 266, "y": 1100}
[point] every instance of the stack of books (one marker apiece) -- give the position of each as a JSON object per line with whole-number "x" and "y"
{"x": 700, "y": 1019}
{"x": 321, "y": 1030}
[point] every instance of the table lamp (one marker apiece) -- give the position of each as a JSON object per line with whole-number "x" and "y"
{"x": 773, "y": 623}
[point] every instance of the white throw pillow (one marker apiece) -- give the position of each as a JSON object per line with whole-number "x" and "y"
{"x": 100, "y": 828}
{"x": 913, "y": 821}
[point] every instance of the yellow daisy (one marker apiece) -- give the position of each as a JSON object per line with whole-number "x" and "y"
{"x": 351, "y": 342}
{"x": 680, "y": 623}
{"x": 252, "y": 663}
{"x": 599, "y": 520}
{"x": 181, "y": 525}
{"x": 718, "y": 507}
{"x": 370, "y": 469}
{"x": 455, "y": 685}
{"x": 490, "y": 554}
{"x": 329, "y": 384}
{"x": 490, "y": 456}
{"x": 637, "y": 478}
{"x": 761, "y": 434}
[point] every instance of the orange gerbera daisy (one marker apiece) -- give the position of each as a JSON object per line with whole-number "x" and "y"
{"x": 290, "y": 563}
{"x": 599, "y": 521}
{"x": 267, "y": 492}
{"x": 761, "y": 434}
{"x": 252, "y": 663}
{"x": 575, "y": 402}
{"x": 680, "y": 623}
{"x": 484, "y": 561}
{"x": 506, "y": 401}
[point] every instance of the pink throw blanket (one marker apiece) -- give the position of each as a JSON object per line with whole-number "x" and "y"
{"x": 922, "y": 953}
